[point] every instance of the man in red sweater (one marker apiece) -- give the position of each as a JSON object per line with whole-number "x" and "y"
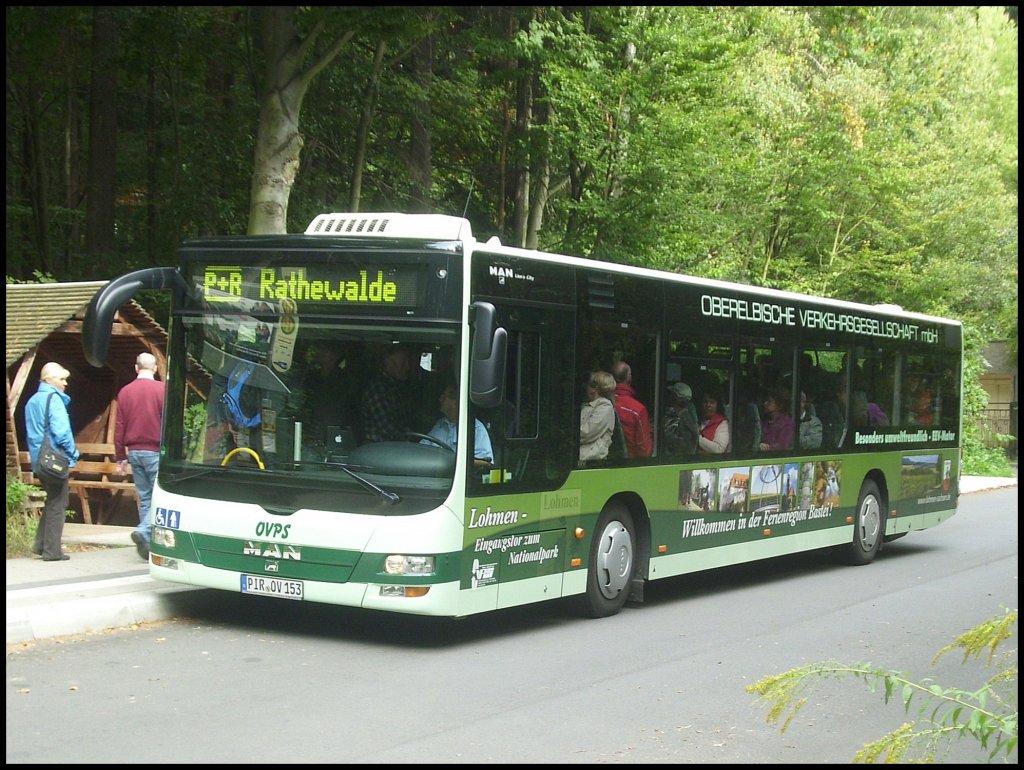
{"x": 636, "y": 423}
{"x": 140, "y": 407}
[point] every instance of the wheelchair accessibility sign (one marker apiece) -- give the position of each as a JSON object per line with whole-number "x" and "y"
{"x": 165, "y": 518}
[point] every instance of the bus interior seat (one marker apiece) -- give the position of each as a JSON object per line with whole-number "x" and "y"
{"x": 617, "y": 450}
{"x": 831, "y": 423}
{"x": 861, "y": 416}
{"x": 747, "y": 433}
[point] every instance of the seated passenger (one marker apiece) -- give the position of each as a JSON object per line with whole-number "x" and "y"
{"x": 387, "y": 405}
{"x": 776, "y": 425}
{"x": 832, "y": 413}
{"x": 714, "y": 428}
{"x": 680, "y": 424}
{"x": 811, "y": 429}
{"x": 330, "y": 393}
{"x": 633, "y": 415}
{"x": 876, "y": 416}
{"x": 867, "y": 413}
{"x": 746, "y": 435}
{"x": 921, "y": 408}
{"x": 597, "y": 417}
{"x": 445, "y": 429}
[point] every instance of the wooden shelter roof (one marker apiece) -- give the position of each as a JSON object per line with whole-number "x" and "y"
{"x": 36, "y": 310}
{"x": 44, "y": 323}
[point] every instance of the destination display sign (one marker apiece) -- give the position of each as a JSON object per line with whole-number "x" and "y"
{"x": 384, "y": 286}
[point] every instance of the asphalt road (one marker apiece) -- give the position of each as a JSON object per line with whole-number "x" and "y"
{"x": 244, "y": 679}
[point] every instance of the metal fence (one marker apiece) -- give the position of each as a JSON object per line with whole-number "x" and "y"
{"x": 998, "y": 425}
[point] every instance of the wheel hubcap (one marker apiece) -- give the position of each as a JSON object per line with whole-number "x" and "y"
{"x": 870, "y": 523}
{"x": 614, "y": 559}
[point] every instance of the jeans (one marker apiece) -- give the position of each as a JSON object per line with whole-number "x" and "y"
{"x": 144, "y": 464}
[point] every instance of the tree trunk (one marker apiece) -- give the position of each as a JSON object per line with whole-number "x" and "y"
{"x": 219, "y": 109}
{"x": 521, "y": 161}
{"x": 101, "y": 187}
{"x": 578, "y": 176}
{"x": 151, "y": 175}
{"x": 34, "y": 181}
{"x": 278, "y": 141}
{"x": 507, "y": 66}
{"x": 363, "y": 131}
{"x": 541, "y": 180}
{"x": 421, "y": 198}
{"x": 503, "y": 184}
{"x": 73, "y": 188}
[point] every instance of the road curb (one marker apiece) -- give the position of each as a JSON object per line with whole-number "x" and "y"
{"x": 36, "y": 613}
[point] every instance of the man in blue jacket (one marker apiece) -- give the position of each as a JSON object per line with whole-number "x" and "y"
{"x": 53, "y": 380}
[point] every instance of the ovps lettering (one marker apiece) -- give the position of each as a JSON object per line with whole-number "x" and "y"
{"x": 272, "y": 529}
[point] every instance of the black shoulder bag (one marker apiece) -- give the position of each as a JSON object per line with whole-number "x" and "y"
{"x": 51, "y": 463}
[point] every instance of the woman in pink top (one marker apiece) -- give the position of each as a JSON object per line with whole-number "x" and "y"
{"x": 776, "y": 426}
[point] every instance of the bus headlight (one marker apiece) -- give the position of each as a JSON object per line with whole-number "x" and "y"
{"x": 163, "y": 536}
{"x": 400, "y": 564}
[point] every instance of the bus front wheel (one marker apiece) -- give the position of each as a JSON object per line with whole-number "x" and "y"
{"x": 868, "y": 528}
{"x": 612, "y": 563}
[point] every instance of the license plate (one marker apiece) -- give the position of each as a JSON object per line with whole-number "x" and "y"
{"x": 268, "y": 586}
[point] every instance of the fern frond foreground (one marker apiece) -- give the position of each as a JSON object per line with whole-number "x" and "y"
{"x": 943, "y": 714}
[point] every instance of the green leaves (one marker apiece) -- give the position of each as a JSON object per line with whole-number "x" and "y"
{"x": 944, "y": 714}
{"x": 861, "y": 152}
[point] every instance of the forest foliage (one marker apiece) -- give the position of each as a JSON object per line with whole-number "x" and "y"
{"x": 867, "y": 153}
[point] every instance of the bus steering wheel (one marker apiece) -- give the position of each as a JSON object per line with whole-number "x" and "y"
{"x": 424, "y": 437}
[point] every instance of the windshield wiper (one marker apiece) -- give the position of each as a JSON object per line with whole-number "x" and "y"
{"x": 193, "y": 474}
{"x": 388, "y": 497}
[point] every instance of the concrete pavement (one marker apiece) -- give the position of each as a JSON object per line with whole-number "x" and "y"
{"x": 110, "y": 587}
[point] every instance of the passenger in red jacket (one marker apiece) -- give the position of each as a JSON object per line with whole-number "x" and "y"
{"x": 636, "y": 423}
{"x": 140, "y": 407}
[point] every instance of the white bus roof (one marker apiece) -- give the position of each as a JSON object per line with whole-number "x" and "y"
{"x": 445, "y": 227}
{"x": 496, "y": 247}
{"x": 392, "y": 225}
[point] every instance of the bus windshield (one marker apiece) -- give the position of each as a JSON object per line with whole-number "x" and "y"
{"x": 308, "y": 376}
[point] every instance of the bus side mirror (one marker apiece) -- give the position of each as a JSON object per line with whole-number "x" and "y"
{"x": 99, "y": 317}
{"x": 487, "y": 359}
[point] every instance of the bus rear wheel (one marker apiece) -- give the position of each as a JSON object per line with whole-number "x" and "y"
{"x": 612, "y": 563}
{"x": 868, "y": 528}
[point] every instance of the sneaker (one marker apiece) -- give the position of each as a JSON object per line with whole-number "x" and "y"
{"x": 62, "y": 557}
{"x": 141, "y": 546}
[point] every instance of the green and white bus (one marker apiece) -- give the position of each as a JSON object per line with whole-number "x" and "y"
{"x": 260, "y": 493}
